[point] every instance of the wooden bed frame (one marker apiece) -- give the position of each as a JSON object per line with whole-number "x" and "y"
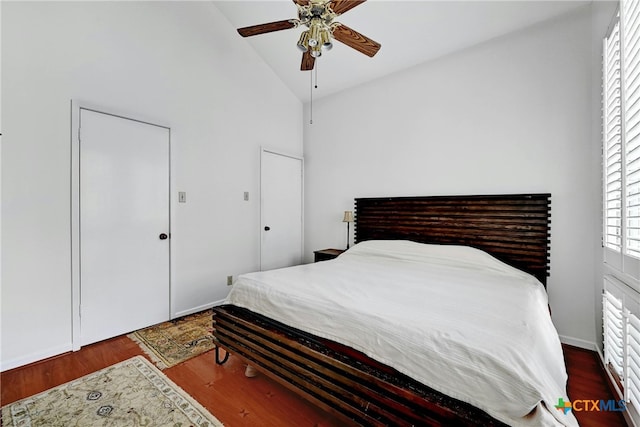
{"x": 345, "y": 382}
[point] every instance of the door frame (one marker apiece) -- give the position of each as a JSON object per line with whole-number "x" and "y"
{"x": 264, "y": 151}
{"x": 76, "y": 107}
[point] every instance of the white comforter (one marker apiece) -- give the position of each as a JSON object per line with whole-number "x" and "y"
{"x": 451, "y": 317}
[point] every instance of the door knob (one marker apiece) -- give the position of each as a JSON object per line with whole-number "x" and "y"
{"x": 267, "y": 228}
{"x": 163, "y": 236}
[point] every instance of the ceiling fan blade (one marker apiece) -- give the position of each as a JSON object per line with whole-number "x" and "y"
{"x": 301, "y": 2}
{"x": 308, "y": 61}
{"x": 354, "y": 39}
{"x": 254, "y": 30}
{"x": 342, "y": 6}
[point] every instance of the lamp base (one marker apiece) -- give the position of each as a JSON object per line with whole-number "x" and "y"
{"x": 347, "y": 235}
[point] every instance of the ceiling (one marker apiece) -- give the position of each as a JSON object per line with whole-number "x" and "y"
{"x": 411, "y": 32}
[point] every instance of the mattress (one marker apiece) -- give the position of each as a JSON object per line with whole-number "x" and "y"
{"x": 452, "y": 317}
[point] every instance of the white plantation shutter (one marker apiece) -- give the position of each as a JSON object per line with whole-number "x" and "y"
{"x": 612, "y": 132}
{"x": 621, "y": 311}
{"x": 631, "y": 91}
{"x": 621, "y": 214}
{"x": 621, "y": 140}
{"x": 613, "y": 333}
{"x": 633, "y": 359}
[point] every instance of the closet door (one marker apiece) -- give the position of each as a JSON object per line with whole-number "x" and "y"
{"x": 124, "y": 225}
{"x": 281, "y": 210}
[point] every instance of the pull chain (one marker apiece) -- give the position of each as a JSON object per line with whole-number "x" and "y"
{"x": 311, "y": 87}
{"x": 311, "y": 98}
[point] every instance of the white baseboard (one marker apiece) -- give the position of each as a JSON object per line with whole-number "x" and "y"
{"x": 197, "y": 309}
{"x": 577, "y": 342}
{"x": 34, "y": 357}
{"x": 5, "y": 365}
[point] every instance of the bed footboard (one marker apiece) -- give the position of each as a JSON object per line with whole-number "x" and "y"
{"x": 337, "y": 378}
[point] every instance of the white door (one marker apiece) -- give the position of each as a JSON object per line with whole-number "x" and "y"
{"x": 281, "y": 214}
{"x": 124, "y": 225}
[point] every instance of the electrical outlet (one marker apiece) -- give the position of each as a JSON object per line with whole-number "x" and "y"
{"x": 229, "y": 280}
{"x": 246, "y": 196}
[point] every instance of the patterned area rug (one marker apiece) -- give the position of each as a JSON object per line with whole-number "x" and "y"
{"x": 129, "y": 393}
{"x": 178, "y": 340}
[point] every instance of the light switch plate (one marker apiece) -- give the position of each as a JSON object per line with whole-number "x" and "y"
{"x": 182, "y": 197}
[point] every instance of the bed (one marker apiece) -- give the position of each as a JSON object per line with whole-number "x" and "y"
{"x": 436, "y": 316}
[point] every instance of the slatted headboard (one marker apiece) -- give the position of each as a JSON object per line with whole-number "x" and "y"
{"x": 514, "y": 228}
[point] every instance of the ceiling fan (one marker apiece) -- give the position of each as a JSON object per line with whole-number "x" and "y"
{"x": 318, "y": 16}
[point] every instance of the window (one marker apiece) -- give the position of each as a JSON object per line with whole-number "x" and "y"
{"x": 621, "y": 213}
{"x": 631, "y": 117}
{"x": 621, "y": 141}
{"x": 621, "y": 308}
{"x": 612, "y": 140}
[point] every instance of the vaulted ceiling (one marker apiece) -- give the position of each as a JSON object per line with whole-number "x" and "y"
{"x": 411, "y": 32}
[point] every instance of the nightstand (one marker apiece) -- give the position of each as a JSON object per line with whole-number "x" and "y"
{"x": 326, "y": 254}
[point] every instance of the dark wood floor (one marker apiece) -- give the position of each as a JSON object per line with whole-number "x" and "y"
{"x": 587, "y": 380}
{"x": 239, "y": 401}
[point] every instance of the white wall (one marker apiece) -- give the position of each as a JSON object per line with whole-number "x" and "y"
{"x": 512, "y": 115}
{"x": 179, "y": 64}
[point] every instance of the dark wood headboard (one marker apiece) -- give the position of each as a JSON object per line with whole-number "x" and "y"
{"x": 515, "y": 228}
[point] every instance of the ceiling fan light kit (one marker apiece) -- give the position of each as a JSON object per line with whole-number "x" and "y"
{"x": 318, "y": 16}
{"x": 315, "y": 39}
